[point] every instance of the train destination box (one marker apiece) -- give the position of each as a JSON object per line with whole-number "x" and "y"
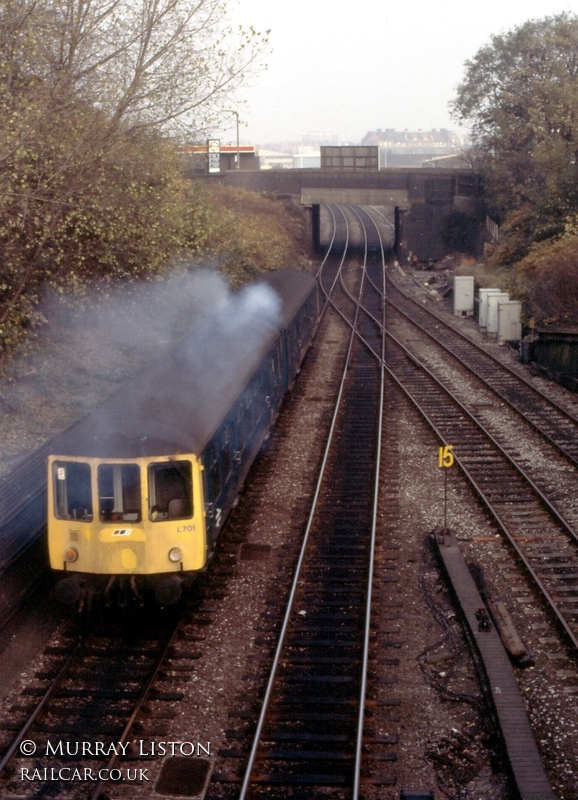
{"x": 483, "y": 306}
{"x": 493, "y": 301}
{"x": 509, "y": 321}
{"x": 464, "y": 295}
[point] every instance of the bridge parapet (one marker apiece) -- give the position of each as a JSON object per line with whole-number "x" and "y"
{"x": 427, "y": 201}
{"x": 419, "y": 185}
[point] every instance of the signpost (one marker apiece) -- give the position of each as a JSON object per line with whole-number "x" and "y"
{"x": 446, "y": 459}
{"x": 214, "y": 154}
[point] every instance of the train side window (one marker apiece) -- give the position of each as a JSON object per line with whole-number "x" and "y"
{"x": 170, "y": 490}
{"x": 72, "y": 492}
{"x": 119, "y": 496}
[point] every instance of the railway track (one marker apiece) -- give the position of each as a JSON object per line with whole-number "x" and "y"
{"x": 91, "y": 690}
{"x": 310, "y": 730}
{"x": 88, "y": 699}
{"x": 541, "y": 537}
{"x": 526, "y": 513}
{"x": 543, "y": 540}
{"x": 317, "y": 736}
{"x": 287, "y": 749}
{"x": 551, "y": 420}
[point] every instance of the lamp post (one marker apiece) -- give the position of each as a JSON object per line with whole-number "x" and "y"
{"x": 236, "y": 113}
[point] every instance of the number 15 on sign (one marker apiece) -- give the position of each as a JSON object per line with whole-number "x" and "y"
{"x": 445, "y": 456}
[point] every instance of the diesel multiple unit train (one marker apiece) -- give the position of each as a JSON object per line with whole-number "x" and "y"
{"x": 139, "y": 491}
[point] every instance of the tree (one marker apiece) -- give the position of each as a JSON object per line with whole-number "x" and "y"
{"x": 162, "y": 65}
{"x": 90, "y": 93}
{"x": 520, "y": 97}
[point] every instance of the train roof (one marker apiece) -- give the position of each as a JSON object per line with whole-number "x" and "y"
{"x": 293, "y": 287}
{"x": 176, "y": 404}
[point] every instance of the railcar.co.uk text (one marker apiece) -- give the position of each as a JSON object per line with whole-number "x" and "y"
{"x": 96, "y": 749}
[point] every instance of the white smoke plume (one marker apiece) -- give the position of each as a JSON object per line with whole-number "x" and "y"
{"x": 83, "y": 354}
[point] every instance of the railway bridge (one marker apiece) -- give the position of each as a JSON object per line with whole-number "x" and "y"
{"x": 436, "y": 210}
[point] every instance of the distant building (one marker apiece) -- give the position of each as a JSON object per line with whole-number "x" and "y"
{"x": 223, "y": 158}
{"x": 294, "y": 157}
{"x": 454, "y": 161}
{"x": 307, "y": 157}
{"x": 275, "y": 159}
{"x": 411, "y": 148}
{"x": 307, "y": 160}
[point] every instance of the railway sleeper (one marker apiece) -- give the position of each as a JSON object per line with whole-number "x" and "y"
{"x": 312, "y": 699}
{"x": 331, "y": 679}
{"x": 509, "y": 498}
{"x": 312, "y": 716}
{"x": 558, "y": 569}
{"x": 302, "y": 779}
{"x": 307, "y": 736}
{"x": 337, "y": 571}
{"x": 306, "y": 659}
{"x": 341, "y": 550}
{"x": 306, "y": 755}
{"x": 314, "y": 644}
{"x": 343, "y": 561}
{"x": 339, "y": 630}
{"x": 332, "y": 592}
{"x": 353, "y": 606}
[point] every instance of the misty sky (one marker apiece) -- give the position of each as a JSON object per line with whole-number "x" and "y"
{"x": 345, "y": 68}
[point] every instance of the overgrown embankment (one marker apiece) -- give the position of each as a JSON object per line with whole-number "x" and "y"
{"x": 175, "y": 226}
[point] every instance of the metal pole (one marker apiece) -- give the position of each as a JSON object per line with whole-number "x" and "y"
{"x": 238, "y": 148}
{"x": 445, "y": 499}
{"x": 236, "y": 113}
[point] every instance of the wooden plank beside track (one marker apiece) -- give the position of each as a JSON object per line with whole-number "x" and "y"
{"x": 526, "y": 764}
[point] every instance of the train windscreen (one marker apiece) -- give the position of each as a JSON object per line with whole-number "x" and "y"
{"x": 170, "y": 490}
{"x": 72, "y": 493}
{"x": 119, "y": 495}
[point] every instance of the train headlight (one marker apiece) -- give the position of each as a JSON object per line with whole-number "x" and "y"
{"x": 175, "y": 555}
{"x": 70, "y": 555}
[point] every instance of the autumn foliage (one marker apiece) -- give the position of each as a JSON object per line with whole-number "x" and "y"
{"x": 242, "y": 232}
{"x": 548, "y": 280}
{"x": 520, "y": 98}
{"x": 93, "y": 98}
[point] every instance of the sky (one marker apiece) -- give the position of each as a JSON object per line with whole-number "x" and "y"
{"x": 343, "y": 69}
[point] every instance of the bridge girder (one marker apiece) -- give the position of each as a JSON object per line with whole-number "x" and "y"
{"x": 355, "y": 196}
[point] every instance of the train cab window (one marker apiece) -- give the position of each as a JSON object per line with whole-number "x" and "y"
{"x": 119, "y": 495}
{"x": 170, "y": 490}
{"x": 72, "y": 493}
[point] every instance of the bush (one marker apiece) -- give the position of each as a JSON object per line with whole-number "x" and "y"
{"x": 240, "y": 232}
{"x": 549, "y": 275}
{"x": 136, "y": 219}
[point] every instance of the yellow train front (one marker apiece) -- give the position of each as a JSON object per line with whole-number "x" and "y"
{"x": 119, "y": 519}
{"x": 139, "y": 490}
